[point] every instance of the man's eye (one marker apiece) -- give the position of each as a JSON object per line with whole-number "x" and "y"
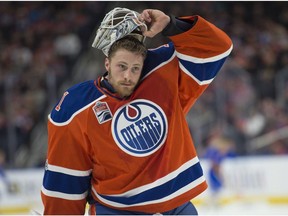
{"x": 136, "y": 69}
{"x": 122, "y": 67}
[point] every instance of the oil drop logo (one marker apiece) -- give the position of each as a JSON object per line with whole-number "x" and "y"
{"x": 139, "y": 128}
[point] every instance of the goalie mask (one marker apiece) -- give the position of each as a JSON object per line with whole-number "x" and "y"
{"x": 116, "y": 24}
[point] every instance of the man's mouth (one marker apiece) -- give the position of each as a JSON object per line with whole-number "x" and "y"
{"x": 126, "y": 84}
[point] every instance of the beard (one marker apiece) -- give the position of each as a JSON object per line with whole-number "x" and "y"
{"x": 122, "y": 87}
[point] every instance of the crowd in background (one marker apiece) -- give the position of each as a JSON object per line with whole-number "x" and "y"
{"x": 40, "y": 43}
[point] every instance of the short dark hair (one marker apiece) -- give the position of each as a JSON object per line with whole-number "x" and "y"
{"x": 129, "y": 43}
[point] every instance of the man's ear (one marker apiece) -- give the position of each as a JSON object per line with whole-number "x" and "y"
{"x": 107, "y": 63}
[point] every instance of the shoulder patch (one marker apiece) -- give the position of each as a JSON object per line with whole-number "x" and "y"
{"x": 102, "y": 112}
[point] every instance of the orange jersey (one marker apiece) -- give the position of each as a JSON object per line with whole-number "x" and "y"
{"x": 135, "y": 153}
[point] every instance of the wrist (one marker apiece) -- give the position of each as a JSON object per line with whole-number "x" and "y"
{"x": 167, "y": 20}
{"x": 177, "y": 26}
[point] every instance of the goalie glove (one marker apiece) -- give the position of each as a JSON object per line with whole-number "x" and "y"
{"x": 118, "y": 23}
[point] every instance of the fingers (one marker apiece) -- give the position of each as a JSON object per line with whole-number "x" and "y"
{"x": 156, "y": 20}
{"x": 146, "y": 15}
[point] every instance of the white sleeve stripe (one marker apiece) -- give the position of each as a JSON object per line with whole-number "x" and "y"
{"x": 64, "y": 195}
{"x": 67, "y": 171}
{"x": 74, "y": 114}
{"x": 204, "y": 60}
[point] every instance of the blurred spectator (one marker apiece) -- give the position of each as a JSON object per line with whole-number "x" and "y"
{"x": 68, "y": 45}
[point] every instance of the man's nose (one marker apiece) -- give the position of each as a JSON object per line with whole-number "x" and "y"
{"x": 127, "y": 74}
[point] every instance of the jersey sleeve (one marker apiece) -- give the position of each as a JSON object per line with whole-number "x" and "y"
{"x": 201, "y": 52}
{"x": 68, "y": 167}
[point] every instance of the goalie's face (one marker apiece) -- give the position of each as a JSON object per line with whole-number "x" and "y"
{"x": 124, "y": 71}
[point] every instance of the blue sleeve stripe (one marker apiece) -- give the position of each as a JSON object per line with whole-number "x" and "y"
{"x": 202, "y": 73}
{"x": 202, "y": 70}
{"x": 181, "y": 183}
{"x": 64, "y": 183}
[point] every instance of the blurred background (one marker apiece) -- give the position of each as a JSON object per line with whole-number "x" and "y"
{"x": 241, "y": 118}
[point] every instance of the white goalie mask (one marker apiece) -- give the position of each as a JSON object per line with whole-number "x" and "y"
{"x": 118, "y": 23}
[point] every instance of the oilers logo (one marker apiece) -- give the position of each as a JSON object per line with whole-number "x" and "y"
{"x": 139, "y": 128}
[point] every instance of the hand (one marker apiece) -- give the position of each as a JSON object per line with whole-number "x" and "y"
{"x": 156, "y": 21}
